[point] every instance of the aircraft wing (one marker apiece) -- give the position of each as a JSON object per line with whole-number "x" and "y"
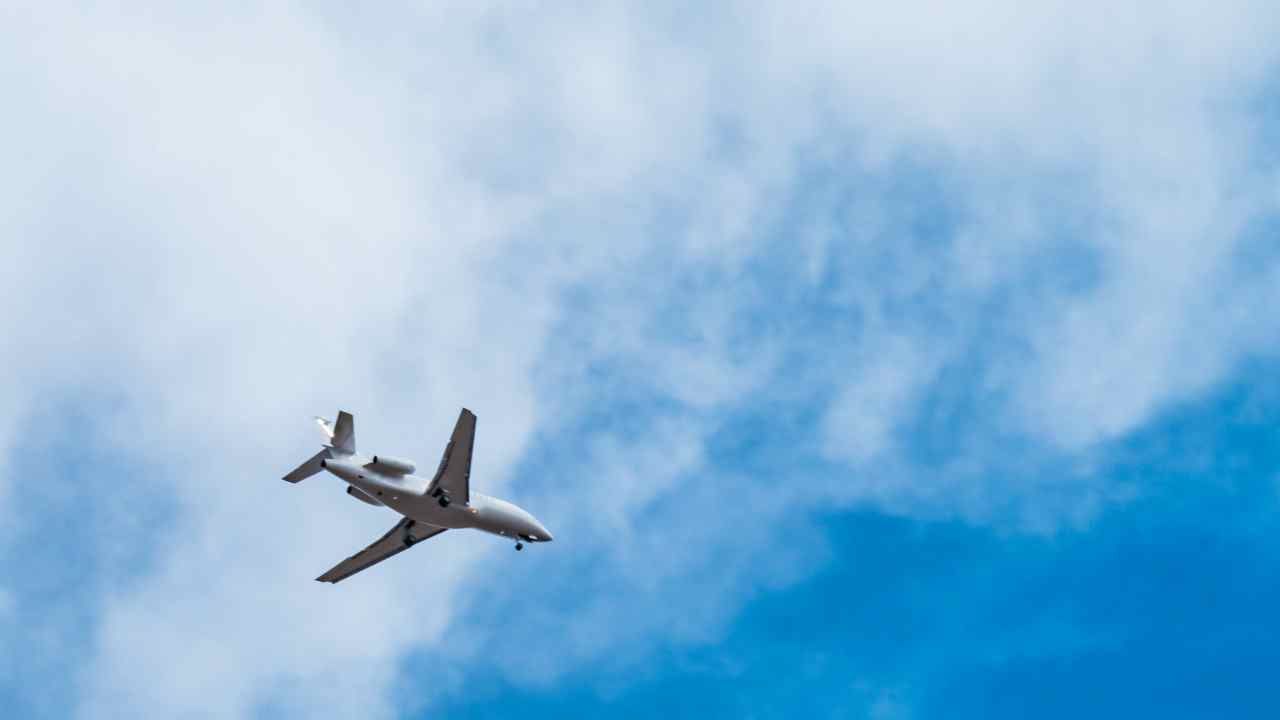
{"x": 453, "y": 477}
{"x": 403, "y": 536}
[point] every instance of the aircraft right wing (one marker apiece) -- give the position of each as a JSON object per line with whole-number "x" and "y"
{"x": 453, "y": 477}
{"x": 403, "y": 536}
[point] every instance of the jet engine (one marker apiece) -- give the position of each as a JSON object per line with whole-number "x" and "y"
{"x": 393, "y": 466}
{"x": 362, "y": 496}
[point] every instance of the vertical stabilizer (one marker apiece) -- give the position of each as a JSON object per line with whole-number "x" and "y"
{"x": 344, "y": 433}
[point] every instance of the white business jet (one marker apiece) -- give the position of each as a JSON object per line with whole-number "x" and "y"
{"x": 429, "y": 507}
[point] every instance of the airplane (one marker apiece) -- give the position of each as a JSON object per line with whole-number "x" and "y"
{"x": 429, "y": 507}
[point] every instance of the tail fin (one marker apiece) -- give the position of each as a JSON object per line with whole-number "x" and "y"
{"x": 341, "y": 435}
{"x": 344, "y": 432}
{"x": 308, "y": 468}
{"x": 342, "y": 438}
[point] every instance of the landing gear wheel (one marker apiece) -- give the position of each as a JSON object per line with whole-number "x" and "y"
{"x": 519, "y": 547}
{"x": 444, "y": 501}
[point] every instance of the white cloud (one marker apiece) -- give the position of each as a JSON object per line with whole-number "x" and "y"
{"x": 863, "y": 417}
{"x": 231, "y": 222}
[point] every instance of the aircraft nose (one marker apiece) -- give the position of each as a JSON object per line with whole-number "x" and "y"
{"x": 544, "y": 535}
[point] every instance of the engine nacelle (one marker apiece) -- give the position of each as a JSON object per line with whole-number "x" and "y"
{"x": 362, "y": 496}
{"x": 392, "y": 466}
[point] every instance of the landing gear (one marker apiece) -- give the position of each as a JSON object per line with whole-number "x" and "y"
{"x": 444, "y": 501}
{"x": 519, "y": 546}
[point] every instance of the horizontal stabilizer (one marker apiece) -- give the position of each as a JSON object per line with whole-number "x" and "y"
{"x": 326, "y": 428}
{"x": 308, "y": 468}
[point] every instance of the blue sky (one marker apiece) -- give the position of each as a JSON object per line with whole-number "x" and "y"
{"x": 867, "y": 362}
{"x": 1164, "y": 606}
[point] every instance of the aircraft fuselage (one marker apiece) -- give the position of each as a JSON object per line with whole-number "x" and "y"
{"x": 408, "y": 495}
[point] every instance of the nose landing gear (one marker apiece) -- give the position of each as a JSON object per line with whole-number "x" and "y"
{"x": 519, "y": 546}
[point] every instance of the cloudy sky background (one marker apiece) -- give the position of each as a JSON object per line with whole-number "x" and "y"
{"x": 873, "y": 362}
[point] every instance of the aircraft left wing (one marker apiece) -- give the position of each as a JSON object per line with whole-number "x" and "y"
{"x": 403, "y": 536}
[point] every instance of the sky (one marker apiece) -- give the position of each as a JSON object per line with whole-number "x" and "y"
{"x": 866, "y": 362}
